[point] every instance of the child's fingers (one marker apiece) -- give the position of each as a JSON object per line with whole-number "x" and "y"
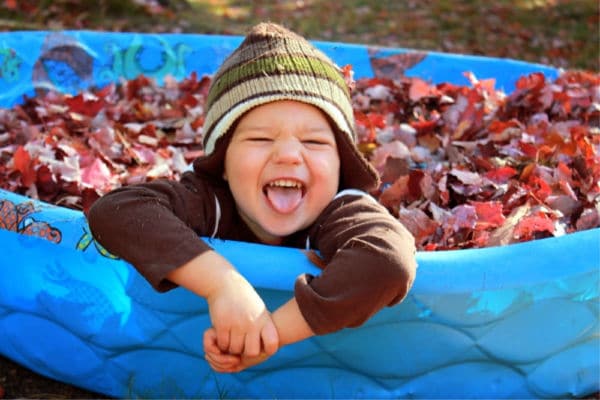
{"x": 222, "y": 359}
{"x": 220, "y": 369}
{"x": 217, "y": 359}
{"x": 223, "y": 338}
{"x": 210, "y": 341}
{"x": 236, "y": 342}
{"x": 252, "y": 344}
{"x": 223, "y": 362}
{"x": 270, "y": 339}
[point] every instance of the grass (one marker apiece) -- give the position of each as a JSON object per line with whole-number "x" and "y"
{"x": 557, "y": 32}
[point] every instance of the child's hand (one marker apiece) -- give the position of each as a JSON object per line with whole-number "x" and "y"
{"x": 218, "y": 360}
{"x": 241, "y": 321}
{"x": 223, "y": 362}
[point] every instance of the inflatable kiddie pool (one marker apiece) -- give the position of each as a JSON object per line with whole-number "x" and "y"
{"x": 519, "y": 321}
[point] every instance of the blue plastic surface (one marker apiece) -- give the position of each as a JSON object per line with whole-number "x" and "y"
{"x": 496, "y": 322}
{"x": 73, "y": 60}
{"x": 520, "y": 321}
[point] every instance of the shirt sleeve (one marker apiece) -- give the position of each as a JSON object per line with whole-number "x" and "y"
{"x": 369, "y": 264}
{"x": 155, "y": 226}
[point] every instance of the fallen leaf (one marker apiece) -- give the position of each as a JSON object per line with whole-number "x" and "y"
{"x": 25, "y": 165}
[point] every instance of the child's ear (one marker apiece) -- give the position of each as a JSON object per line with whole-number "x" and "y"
{"x": 224, "y": 174}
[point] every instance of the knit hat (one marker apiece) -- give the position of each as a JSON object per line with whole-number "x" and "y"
{"x": 273, "y": 63}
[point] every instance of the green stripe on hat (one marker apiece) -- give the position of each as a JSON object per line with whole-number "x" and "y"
{"x": 270, "y": 44}
{"x": 276, "y": 65}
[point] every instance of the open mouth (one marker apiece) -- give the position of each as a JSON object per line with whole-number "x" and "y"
{"x": 284, "y": 195}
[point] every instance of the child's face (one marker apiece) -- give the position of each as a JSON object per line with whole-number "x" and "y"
{"x": 283, "y": 168}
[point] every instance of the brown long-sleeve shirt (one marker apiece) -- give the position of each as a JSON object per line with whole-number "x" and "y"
{"x": 369, "y": 256}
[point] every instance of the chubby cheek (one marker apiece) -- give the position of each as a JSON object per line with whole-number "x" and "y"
{"x": 325, "y": 184}
{"x": 242, "y": 179}
{"x": 240, "y": 163}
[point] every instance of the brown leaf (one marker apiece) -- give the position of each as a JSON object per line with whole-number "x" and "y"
{"x": 589, "y": 219}
{"x": 394, "y": 195}
{"x": 505, "y": 234}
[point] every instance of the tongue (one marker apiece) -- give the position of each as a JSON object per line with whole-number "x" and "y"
{"x": 284, "y": 200}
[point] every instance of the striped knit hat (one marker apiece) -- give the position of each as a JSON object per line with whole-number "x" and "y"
{"x": 273, "y": 63}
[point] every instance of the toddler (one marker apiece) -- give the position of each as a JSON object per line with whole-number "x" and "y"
{"x": 281, "y": 167}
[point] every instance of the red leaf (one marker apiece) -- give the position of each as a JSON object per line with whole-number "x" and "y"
{"x": 415, "y": 184}
{"x": 501, "y": 174}
{"x": 443, "y": 190}
{"x": 376, "y": 120}
{"x": 348, "y": 74}
{"x": 188, "y": 100}
{"x": 499, "y": 127}
{"x": 586, "y": 148}
{"x": 46, "y": 184}
{"x": 534, "y": 81}
{"x": 528, "y": 226}
{"x": 424, "y": 126}
{"x": 197, "y": 123}
{"x": 370, "y": 121}
{"x": 489, "y": 214}
{"x": 88, "y": 107}
{"x": 540, "y": 188}
{"x": 88, "y": 197}
{"x": 480, "y": 238}
{"x": 134, "y": 86}
{"x": 25, "y": 165}
{"x": 419, "y": 89}
{"x": 528, "y": 149}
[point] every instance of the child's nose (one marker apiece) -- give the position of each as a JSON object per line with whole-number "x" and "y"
{"x": 287, "y": 150}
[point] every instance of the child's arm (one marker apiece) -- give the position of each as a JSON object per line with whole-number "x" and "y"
{"x": 155, "y": 227}
{"x": 238, "y": 314}
{"x": 369, "y": 259}
{"x": 291, "y": 325}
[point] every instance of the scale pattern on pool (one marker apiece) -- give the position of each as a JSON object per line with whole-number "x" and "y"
{"x": 469, "y": 328}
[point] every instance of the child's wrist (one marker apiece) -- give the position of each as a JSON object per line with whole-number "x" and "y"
{"x": 206, "y": 274}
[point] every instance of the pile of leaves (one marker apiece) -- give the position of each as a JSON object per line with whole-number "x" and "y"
{"x": 470, "y": 167}
{"x": 462, "y": 166}
{"x": 69, "y": 150}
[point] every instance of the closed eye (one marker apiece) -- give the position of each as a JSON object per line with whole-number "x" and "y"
{"x": 259, "y": 139}
{"x": 318, "y": 137}
{"x": 316, "y": 142}
{"x": 319, "y": 142}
